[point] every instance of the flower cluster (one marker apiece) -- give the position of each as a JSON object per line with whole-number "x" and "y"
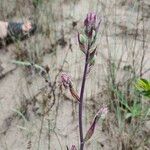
{"x": 87, "y": 39}
{"x": 92, "y": 24}
{"x": 65, "y": 81}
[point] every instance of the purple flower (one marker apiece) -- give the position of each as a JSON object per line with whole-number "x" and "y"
{"x": 65, "y": 80}
{"x": 91, "y": 23}
{"x": 90, "y": 19}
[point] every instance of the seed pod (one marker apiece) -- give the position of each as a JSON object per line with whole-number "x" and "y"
{"x": 74, "y": 93}
{"x": 100, "y": 114}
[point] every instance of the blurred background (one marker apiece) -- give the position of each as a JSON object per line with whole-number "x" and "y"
{"x": 123, "y": 57}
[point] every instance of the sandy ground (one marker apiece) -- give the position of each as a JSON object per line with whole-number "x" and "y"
{"x": 117, "y": 35}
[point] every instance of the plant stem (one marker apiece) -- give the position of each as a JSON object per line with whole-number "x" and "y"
{"x": 49, "y": 130}
{"x": 81, "y": 101}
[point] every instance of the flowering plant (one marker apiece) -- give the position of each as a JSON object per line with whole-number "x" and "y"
{"x": 87, "y": 45}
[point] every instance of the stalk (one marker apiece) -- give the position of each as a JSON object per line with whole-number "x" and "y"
{"x": 81, "y": 101}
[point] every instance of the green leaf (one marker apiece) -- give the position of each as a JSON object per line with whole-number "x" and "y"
{"x": 143, "y": 86}
{"x": 136, "y": 110}
{"x": 27, "y": 64}
{"x": 20, "y": 114}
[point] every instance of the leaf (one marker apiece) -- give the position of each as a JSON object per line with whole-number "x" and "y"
{"x": 136, "y": 110}
{"x": 20, "y": 114}
{"x": 27, "y": 64}
{"x": 128, "y": 115}
{"x": 92, "y": 57}
{"x": 143, "y": 86}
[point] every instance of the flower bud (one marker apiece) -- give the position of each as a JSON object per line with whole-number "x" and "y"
{"x": 100, "y": 114}
{"x": 91, "y": 23}
{"x": 90, "y": 131}
{"x": 74, "y": 93}
{"x": 65, "y": 80}
{"x": 82, "y": 42}
{"x": 73, "y": 147}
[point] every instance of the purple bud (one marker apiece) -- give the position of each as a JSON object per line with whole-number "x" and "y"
{"x": 92, "y": 23}
{"x": 65, "y": 80}
{"x": 90, "y": 20}
{"x": 100, "y": 114}
{"x": 73, "y": 147}
{"x": 90, "y": 131}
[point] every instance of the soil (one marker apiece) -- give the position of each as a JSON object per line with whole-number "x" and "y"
{"x": 21, "y": 91}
